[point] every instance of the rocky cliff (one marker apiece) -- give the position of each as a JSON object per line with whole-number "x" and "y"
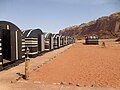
{"x": 104, "y": 27}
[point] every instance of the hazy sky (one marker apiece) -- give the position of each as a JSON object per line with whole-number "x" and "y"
{"x": 53, "y": 15}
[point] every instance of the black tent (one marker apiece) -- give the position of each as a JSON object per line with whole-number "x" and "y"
{"x": 70, "y": 40}
{"x": 56, "y": 40}
{"x": 48, "y": 41}
{"x": 10, "y": 42}
{"x": 61, "y": 40}
{"x": 34, "y": 40}
{"x": 66, "y": 40}
{"x": 92, "y": 39}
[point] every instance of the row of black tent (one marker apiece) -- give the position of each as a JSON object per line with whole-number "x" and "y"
{"x": 13, "y": 42}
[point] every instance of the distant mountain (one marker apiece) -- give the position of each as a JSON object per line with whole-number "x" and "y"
{"x": 104, "y": 27}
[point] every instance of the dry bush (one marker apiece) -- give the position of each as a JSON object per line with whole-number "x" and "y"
{"x": 117, "y": 40}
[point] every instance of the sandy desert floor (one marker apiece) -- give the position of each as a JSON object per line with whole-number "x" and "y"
{"x": 73, "y": 67}
{"x": 83, "y": 65}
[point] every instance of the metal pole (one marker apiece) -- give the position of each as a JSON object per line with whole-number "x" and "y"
{"x": 27, "y": 60}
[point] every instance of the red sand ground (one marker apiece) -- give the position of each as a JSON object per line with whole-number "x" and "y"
{"x": 83, "y": 64}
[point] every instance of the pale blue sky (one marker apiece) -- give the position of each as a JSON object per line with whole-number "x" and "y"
{"x": 53, "y": 15}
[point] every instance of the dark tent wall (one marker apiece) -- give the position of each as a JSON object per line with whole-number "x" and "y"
{"x": 56, "y": 40}
{"x": 23, "y": 48}
{"x": 48, "y": 41}
{"x": 10, "y": 38}
{"x": 69, "y": 40}
{"x": 34, "y": 40}
{"x": 1, "y": 59}
{"x": 61, "y": 41}
{"x": 72, "y": 40}
{"x": 65, "y": 40}
{"x": 91, "y": 40}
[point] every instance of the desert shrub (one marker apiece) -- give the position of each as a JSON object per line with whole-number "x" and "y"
{"x": 79, "y": 39}
{"x": 117, "y": 40}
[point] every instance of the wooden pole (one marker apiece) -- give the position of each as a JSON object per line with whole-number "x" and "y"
{"x": 27, "y": 60}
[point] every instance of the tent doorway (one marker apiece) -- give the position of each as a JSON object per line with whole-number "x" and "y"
{"x": 6, "y": 46}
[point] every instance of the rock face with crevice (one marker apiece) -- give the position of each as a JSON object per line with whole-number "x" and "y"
{"x": 104, "y": 27}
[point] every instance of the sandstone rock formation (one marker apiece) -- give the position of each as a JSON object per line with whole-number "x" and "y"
{"x": 104, "y": 27}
